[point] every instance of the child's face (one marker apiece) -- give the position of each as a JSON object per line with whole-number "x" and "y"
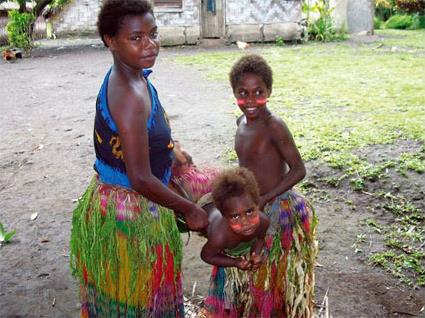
{"x": 241, "y": 214}
{"x": 251, "y": 95}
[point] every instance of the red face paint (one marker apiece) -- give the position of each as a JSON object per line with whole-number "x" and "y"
{"x": 236, "y": 227}
{"x": 254, "y": 220}
{"x": 240, "y": 101}
{"x": 261, "y": 101}
{"x": 251, "y": 222}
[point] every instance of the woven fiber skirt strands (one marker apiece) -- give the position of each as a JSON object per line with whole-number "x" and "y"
{"x": 126, "y": 252}
{"x": 284, "y": 285}
{"x": 196, "y": 182}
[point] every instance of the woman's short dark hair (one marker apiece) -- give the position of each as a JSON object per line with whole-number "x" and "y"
{"x": 113, "y": 12}
{"x": 254, "y": 64}
{"x": 234, "y": 183}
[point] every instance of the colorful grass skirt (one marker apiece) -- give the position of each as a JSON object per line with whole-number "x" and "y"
{"x": 284, "y": 285}
{"x": 126, "y": 252}
{"x": 195, "y": 182}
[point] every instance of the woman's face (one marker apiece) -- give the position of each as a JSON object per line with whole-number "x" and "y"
{"x": 136, "y": 42}
{"x": 242, "y": 215}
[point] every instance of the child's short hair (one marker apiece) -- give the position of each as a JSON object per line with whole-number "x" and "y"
{"x": 254, "y": 64}
{"x": 234, "y": 183}
{"x": 113, "y": 12}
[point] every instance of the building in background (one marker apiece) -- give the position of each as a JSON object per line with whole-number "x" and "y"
{"x": 191, "y": 21}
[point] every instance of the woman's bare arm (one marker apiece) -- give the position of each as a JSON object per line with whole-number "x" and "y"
{"x": 130, "y": 107}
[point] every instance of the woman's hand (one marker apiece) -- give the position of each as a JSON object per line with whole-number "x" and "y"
{"x": 196, "y": 218}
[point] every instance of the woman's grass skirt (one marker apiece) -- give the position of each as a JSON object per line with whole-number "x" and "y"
{"x": 284, "y": 285}
{"x": 126, "y": 252}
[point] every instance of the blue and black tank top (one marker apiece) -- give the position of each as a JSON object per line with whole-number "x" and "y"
{"x": 110, "y": 161}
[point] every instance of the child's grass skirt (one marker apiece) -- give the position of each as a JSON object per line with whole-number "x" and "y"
{"x": 126, "y": 252}
{"x": 284, "y": 285}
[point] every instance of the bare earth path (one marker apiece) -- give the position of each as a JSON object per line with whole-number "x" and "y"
{"x": 46, "y": 156}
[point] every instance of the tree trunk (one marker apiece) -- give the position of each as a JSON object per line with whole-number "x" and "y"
{"x": 40, "y": 5}
{"x": 22, "y": 6}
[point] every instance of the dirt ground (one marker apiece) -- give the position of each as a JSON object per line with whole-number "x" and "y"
{"x": 46, "y": 157}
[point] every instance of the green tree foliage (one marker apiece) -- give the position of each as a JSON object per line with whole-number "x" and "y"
{"x": 21, "y": 23}
{"x": 384, "y": 9}
{"x": 18, "y": 29}
{"x": 411, "y": 6}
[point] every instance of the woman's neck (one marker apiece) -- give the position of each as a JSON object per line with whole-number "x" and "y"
{"x": 125, "y": 70}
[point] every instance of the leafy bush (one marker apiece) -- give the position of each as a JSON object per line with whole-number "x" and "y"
{"x": 418, "y": 22}
{"x": 399, "y": 22}
{"x": 411, "y": 6}
{"x": 321, "y": 30}
{"x": 18, "y": 29}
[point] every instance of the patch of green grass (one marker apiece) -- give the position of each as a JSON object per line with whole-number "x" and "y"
{"x": 401, "y": 265}
{"x": 336, "y": 98}
{"x": 372, "y": 223}
{"x": 334, "y": 181}
{"x": 403, "y": 38}
{"x": 404, "y": 239}
{"x": 411, "y": 161}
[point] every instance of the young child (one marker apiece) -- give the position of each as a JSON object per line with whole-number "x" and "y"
{"x": 187, "y": 179}
{"x": 236, "y": 228}
{"x": 283, "y": 285}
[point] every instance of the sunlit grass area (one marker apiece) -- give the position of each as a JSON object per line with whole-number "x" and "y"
{"x": 403, "y": 38}
{"x": 340, "y": 98}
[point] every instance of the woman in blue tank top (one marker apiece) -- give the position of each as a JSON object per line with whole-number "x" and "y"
{"x": 126, "y": 250}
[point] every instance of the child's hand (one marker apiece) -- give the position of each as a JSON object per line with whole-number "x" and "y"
{"x": 256, "y": 260}
{"x": 243, "y": 264}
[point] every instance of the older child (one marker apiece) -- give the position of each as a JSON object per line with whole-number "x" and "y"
{"x": 283, "y": 286}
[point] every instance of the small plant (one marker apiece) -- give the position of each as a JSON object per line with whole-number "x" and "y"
{"x": 19, "y": 29}
{"x": 358, "y": 184}
{"x": 373, "y": 224}
{"x": 5, "y": 237}
{"x": 322, "y": 28}
{"x": 231, "y": 155}
{"x": 361, "y": 238}
{"x": 279, "y": 41}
